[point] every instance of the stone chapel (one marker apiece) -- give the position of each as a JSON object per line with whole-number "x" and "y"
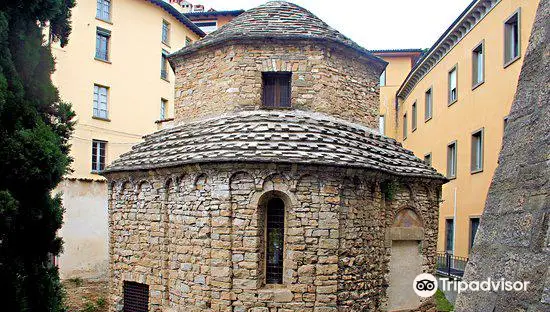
{"x": 272, "y": 192}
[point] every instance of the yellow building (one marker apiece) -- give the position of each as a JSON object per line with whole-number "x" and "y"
{"x": 452, "y": 108}
{"x": 115, "y": 74}
{"x": 400, "y": 63}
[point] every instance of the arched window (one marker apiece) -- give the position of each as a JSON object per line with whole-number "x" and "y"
{"x": 275, "y": 225}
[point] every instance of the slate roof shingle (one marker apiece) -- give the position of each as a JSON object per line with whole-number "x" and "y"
{"x": 276, "y": 20}
{"x": 274, "y": 136}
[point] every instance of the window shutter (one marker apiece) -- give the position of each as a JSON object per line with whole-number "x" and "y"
{"x": 269, "y": 92}
{"x": 284, "y": 83}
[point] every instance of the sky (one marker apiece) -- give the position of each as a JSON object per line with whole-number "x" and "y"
{"x": 374, "y": 24}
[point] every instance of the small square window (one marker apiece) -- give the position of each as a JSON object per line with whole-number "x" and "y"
{"x": 511, "y": 39}
{"x": 453, "y": 89}
{"x": 165, "y": 32}
{"x": 276, "y": 89}
{"x": 103, "y": 37}
{"x": 428, "y": 105}
{"x": 383, "y": 79}
{"x": 136, "y": 297}
{"x": 428, "y": 159}
{"x": 103, "y": 10}
{"x": 98, "y": 155}
{"x": 451, "y": 160}
{"x": 413, "y": 117}
{"x": 477, "y": 152}
{"x": 478, "y": 68}
{"x": 100, "y": 102}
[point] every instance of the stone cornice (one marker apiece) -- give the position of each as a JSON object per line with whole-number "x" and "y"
{"x": 467, "y": 20}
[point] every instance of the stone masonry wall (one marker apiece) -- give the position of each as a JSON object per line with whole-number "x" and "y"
{"x": 325, "y": 79}
{"x": 194, "y": 235}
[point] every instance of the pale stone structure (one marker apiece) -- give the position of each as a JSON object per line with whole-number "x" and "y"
{"x": 241, "y": 207}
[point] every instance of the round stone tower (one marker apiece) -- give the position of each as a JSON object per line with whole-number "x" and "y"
{"x": 272, "y": 193}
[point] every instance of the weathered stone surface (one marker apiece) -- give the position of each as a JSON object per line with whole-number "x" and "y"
{"x": 513, "y": 240}
{"x": 329, "y": 267}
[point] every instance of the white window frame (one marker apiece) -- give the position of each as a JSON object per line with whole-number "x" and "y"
{"x": 453, "y": 97}
{"x": 478, "y": 65}
{"x": 509, "y": 38}
{"x": 100, "y": 107}
{"x": 477, "y": 151}
{"x": 165, "y": 35}
{"x": 97, "y": 147}
{"x": 428, "y": 105}
{"x": 382, "y": 124}
{"x": 101, "y": 13}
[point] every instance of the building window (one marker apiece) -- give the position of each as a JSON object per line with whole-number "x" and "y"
{"x": 136, "y": 297}
{"x": 275, "y": 222}
{"x": 449, "y": 233}
{"x": 474, "y": 225}
{"x": 511, "y": 39}
{"x": 102, "y": 44}
{"x": 413, "y": 117}
{"x": 164, "y": 65}
{"x": 100, "y": 102}
{"x": 453, "y": 90}
{"x": 383, "y": 79}
{"x": 428, "y": 159}
{"x": 163, "y": 109}
{"x": 188, "y": 41}
{"x": 478, "y": 68}
{"x": 98, "y": 155}
{"x": 451, "y": 160}
{"x": 404, "y": 126}
{"x": 103, "y": 11}
{"x": 382, "y": 124}
{"x": 165, "y": 32}
{"x": 428, "y": 105}
{"x": 276, "y": 89}
{"x": 477, "y": 151}
{"x": 207, "y": 26}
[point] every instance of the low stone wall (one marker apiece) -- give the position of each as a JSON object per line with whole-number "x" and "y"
{"x": 194, "y": 235}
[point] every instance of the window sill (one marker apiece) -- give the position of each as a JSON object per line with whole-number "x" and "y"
{"x": 165, "y": 79}
{"x": 96, "y": 172}
{"x": 163, "y": 120}
{"x": 451, "y": 178}
{"x": 276, "y": 107}
{"x": 512, "y": 61}
{"x": 104, "y": 21}
{"x": 166, "y": 44}
{"x": 452, "y": 102}
{"x": 101, "y": 118}
{"x": 477, "y": 85}
{"x": 476, "y": 171}
{"x": 102, "y": 60}
{"x": 428, "y": 119}
{"x": 413, "y": 130}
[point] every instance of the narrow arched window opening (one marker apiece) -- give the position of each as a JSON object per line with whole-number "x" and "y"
{"x": 275, "y": 226}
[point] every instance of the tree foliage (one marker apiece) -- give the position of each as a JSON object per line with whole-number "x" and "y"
{"x": 35, "y": 126}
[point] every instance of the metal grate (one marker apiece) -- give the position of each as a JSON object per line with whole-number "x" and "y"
{"x": 136, "y": 297}
{"x": 275, "y": 241}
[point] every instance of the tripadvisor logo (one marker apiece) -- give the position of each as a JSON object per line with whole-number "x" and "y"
{"x": 425, "y": 285}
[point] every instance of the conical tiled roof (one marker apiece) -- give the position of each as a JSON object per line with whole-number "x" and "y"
{"x": 275, "y": 137}
{"x": 276, "y": 20}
